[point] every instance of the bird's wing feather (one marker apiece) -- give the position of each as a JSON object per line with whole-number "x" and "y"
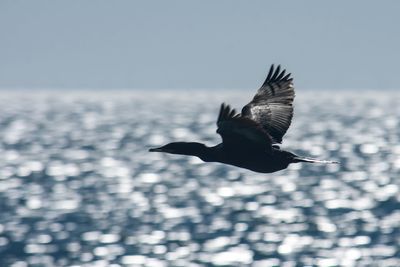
{"x": 272, "y": 106}
{"x": 241, "y": 132}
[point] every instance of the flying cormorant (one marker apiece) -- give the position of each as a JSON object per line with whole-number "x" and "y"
{"x": 250, "y": 139}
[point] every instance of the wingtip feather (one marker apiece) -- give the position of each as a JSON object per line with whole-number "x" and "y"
{"x": 271, "y": 70}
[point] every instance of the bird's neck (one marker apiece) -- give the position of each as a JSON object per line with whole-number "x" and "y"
{"x": 203, "y": 152}
{"x": 194, "y": 149}
{"x": 210, "y": 154}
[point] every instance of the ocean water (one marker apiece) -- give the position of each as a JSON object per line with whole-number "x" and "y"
{"x": 78, "y": 187}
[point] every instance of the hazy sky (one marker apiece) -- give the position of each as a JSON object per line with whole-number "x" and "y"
{"x": 198, "y": 44}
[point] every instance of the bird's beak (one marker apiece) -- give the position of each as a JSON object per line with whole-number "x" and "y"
{"x": 159, "y": 149}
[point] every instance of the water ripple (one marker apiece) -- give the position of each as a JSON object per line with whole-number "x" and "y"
{"x": 78, "y": 187}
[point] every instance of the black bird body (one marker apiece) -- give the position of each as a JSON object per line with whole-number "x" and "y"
{"x": 249, "y": 139}
{"x": 257, "y": 160}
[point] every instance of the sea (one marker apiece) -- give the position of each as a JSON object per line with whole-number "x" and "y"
{"x": 78, "y": 186}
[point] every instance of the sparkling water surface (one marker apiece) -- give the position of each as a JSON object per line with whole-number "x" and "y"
{"x": 78, "y": 186}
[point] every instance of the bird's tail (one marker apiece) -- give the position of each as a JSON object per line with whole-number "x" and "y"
{"x": 311, "y": 160}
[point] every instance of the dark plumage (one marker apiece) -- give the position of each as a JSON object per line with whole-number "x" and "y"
{"x": 250, "y": 139}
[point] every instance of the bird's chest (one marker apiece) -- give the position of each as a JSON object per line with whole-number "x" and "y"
{"x": 258, "y": 162}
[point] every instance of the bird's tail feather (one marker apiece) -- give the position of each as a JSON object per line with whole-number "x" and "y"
{"x": 311, "y": 160}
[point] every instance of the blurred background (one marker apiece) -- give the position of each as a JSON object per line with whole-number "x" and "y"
{"x": 86, "y": 87}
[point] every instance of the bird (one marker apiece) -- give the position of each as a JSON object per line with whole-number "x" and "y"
{"x": 251, "y": 139}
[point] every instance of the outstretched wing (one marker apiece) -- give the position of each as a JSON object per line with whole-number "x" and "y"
{"x": 272, "y": 106}
{"x": 240, "y": 132}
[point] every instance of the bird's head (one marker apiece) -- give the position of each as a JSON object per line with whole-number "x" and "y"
{"x": 181, "y": 148}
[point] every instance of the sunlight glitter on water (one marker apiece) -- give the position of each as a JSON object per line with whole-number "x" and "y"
{"x": 78, "y": 187}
